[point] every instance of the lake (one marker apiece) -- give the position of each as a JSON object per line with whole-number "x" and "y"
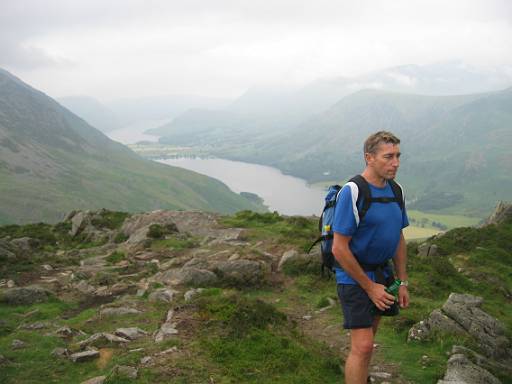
{"x": 282, "y": 193}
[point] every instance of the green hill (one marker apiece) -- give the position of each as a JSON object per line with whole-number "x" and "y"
{"x": 51, "y": 162}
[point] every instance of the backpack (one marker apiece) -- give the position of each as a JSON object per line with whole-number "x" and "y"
{"x": 363, "y": 203}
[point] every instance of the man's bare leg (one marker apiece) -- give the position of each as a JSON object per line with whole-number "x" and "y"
{"x": 361, "y": 349}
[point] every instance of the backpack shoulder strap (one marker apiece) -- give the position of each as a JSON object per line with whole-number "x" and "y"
{"x": 398, "y": 192}
{"x": 364, "y": 195}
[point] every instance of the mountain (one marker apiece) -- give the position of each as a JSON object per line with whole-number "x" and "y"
{"x": 456, "y": 148}
{"x": 269, "y": 110}
{"x": 51, "y": 161}
{"x": 92, "y": 111}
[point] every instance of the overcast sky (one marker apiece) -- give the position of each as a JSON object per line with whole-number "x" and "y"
{"x": 131, "y": 48}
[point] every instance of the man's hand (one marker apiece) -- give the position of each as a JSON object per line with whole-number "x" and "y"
{"x": 380, "y": 297}
{"x": 403, "y": 296}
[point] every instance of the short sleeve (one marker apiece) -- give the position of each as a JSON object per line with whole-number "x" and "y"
{"x": 405, "y": 219}
{"x": 344, "y": 221}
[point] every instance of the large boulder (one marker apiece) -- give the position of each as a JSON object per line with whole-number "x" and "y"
{"x": 487, "y": 330}
{"x": 241, "y": 272}
{"x": 8, "y": 251}
{"x": 462, "y": 370}
{"x": 26, "y": 295}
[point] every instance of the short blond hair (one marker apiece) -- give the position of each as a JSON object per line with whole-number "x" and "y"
{"x": 372, "y": 142}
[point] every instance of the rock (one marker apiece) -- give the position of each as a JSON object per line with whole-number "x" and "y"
{"x": 146, "y": 360}
{"x": 426, "y": 250}
{"x": 487, "y": 330}
{"x": 84, "y": 287}
{"x": 84, "y": 356}
{"x": 165, "y": 331}
{"x": 502, "y": 212}
{"x": 18, "y": 344}
{"x": 131, "y": 333}
{"x": 381, "y": 375}
{"x": 119, "y": 311}
{"x": 35, "y": 326}
{"x": 164, "y": 295}
{"x": 125, "y": 371}
{"x": 60, "y": 352}
{"x": 461, "y": 370}
{"x": 437, "y": 321}
{"x": 8, "y": 251}
{"x": 47, "y": 267}
{"x": 189, "y": 276}
{"x": 293, "y": 261}
{"x": 25, "y": 244}
{"x": 95, "y": 380}
{"x": 167, "y": 351}
{"x": 11, "y": 284}
{"x": 191, "y": 293}
{"x": 26, "y": 295}
{"x": 240, "y": 272}
{"x": 2, "y": 359}
{"x": 77, "y": 222}
{"x": 65, "y": 332}
{"x": 102, "y": 339}
{"x": 307, "y": 317}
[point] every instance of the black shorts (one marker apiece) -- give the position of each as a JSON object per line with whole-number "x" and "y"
{"x": 358, "y": 310}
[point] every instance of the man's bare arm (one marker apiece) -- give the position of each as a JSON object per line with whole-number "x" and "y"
{"x": 344, "y": 256}
{"x": 400, "y": 262}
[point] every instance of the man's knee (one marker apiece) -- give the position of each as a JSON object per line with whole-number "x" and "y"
{"x": 362, "y": 342}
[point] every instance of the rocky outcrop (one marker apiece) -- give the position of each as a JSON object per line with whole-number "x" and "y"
{"x": 502, "y": 212}
{"x": 461, "y": 370}
{"x": 188, "y": 276}
{"x": 241, "y": 272}
{"x": 461, "y": 314}
{"x": 26, "y": 295}
{"x": 426, "y": 250}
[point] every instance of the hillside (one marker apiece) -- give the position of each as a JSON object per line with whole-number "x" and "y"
{"x": 51, "y": 161}
{"x": 455, "y": 148}
{"x": 92, "y": 111}
{"x": 191, "y": 297}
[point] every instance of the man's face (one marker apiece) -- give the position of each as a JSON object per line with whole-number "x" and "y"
{"x": 385, "y": 161}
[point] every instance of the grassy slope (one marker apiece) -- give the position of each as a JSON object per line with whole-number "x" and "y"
{"x": 232, "y": 336}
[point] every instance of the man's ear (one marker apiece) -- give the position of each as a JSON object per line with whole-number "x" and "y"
{"x": 368, "y": 157}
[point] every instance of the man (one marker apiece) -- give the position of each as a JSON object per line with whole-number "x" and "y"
{"x": 363, "y": 248}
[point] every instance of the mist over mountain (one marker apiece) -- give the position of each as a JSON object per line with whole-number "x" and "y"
{"x": 51, "y": 162}
{"x": 263, "y": 110}
{"x": 92, "y": 111}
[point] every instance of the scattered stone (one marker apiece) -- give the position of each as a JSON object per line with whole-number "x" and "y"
{"x": 381, "y": 375}
{"x": 102, "y": 339}
{"x": 119, "y": 311}
{"x": 47, "y": 267}
{"x": 240, "y": 272}
{"x": 136, "y": 350}
{"x": 35, "y": 326}
{"x": 125, "y": 371}
{"x": 65, "y": 332}
{"x": 189, "y": 276}
{"x": 167, "y": 351}
{"x": 131, "y": 333}
{"x": 95, "y": 380}
{"x": 461, "y": 370}
{"x": 84, "y": 287}
{"x": 11, "y": 284}
{"x": 165, "y": 331}
{"x": 18, "y": 344}
{"x": 191, "y": 293}
{"x": 26, "y": 295}
{"x": 307, "y": 317}
{"x": 293, "y": 260}
{"x": 84, "y": 356}
{"x": 164, "y": 295}
{"x": 60, "y": 352}
{"x": 146, "y": 360}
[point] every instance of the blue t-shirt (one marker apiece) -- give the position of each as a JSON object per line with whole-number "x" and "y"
{"x": 375, "y": 239}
